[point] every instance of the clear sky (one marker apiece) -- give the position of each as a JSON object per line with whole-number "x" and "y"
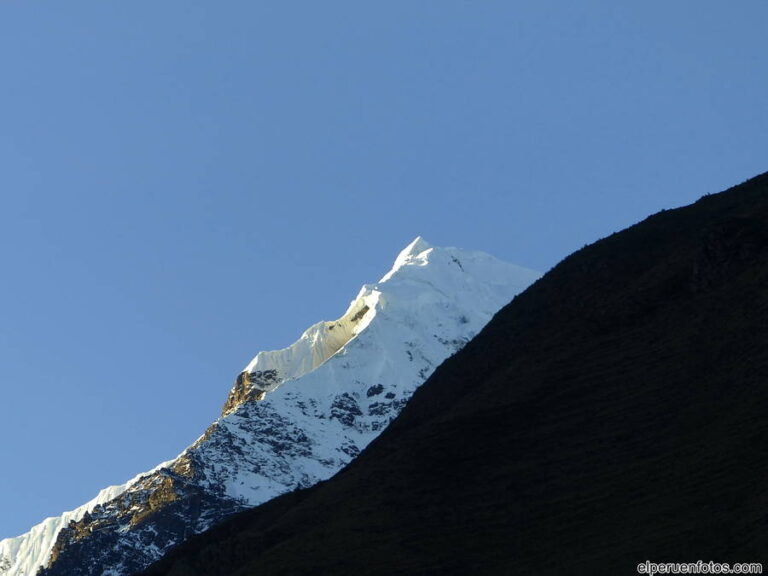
{"x": 187, "y": 182}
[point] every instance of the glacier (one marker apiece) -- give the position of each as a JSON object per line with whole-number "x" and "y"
{"x": 294, "y": 416}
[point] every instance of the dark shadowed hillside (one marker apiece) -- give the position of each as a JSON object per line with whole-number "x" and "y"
{"x": 615, "y": 412}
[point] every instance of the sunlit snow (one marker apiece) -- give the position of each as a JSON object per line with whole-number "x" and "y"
{"x": 335, "y": 390}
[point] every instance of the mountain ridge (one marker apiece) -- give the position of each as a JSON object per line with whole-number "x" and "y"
{"x": 612, "y": 413}
{"x": 293, "y": 417}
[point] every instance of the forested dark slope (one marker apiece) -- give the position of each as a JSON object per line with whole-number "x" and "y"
{"x": 615, "y": 412}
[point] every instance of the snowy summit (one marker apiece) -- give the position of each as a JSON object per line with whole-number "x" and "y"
{"x": 293, "y": 417}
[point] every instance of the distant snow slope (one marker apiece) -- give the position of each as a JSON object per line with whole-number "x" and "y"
{"x": 294, "y": 417}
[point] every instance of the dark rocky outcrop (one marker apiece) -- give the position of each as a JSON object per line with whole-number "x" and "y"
{"x": 615, "y": 412}
{"x": 163, "y": 507}
{"x": 250, "y": 387}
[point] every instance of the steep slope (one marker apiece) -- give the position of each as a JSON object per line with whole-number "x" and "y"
{"x": 294, "y": 416}
{"x": 613, "y": 413}
{"x": 24, "y": 554}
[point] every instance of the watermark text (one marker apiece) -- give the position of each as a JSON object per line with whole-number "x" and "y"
{"x": 700, "y": 567}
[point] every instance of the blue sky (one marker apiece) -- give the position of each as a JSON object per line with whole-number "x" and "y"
{"x": 185, "y": 183}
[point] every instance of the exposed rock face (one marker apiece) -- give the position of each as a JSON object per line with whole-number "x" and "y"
{"x": 162, "y": 509}
{"x": 293, "y": 417}
{"x": 250, "y": 387}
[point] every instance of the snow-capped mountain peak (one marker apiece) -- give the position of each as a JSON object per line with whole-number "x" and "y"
{"x": 415, "y": 254}
{"x": 293, "y": 417}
